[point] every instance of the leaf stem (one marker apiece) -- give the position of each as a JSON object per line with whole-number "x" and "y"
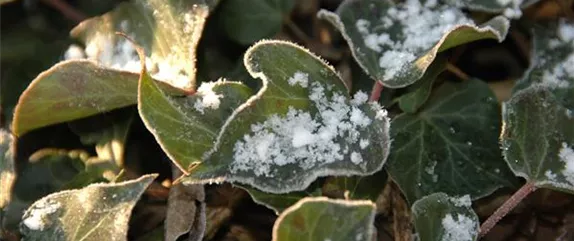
{"x": 67, "y": 10}
{"x": 503, "y": 210}
{"x": 376, "y": 92}
{"x": 456, "y": 71}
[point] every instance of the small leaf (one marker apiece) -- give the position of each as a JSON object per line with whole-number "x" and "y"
{"x": 302, "y": 124}
{"x": 538, "y": 138}
{"x": 358, "y": 187}
{"x": 450, "y": 145}
{"x": 396, "y": 43}
{"x": 7, "y": 171}
{"x": 279, "y": 202}
{"x": 169, "y": 31}
{"x": 439, "y": 217}
{"x": 326, "y": 219}
{"x": 96, "y": 212}
{"x": 72, "y": 90}
{"x": 240, "y": 17}
{"x": 186, "y": 212}
{"x": 186, "y": 127}
{"x": 421, "y": 90}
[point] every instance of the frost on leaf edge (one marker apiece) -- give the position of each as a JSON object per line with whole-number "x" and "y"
{"x": 319, "y": 172}
{"x": 426, "y": 59}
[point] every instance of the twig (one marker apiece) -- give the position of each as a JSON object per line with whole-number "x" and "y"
{"x": 67, "y": 10}
{"x": 456, "y": 71}
{"x": 503, "y": 210}
{"x": 376, "y": 92}
{"x": 297, "y": 31}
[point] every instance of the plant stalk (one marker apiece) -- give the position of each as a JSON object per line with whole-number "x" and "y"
{"x": 376, "y": 92}
{"x": 508, "y": 206}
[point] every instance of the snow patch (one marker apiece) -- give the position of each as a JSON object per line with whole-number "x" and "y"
{"x": 461, "y": 229}
{"x": 299, "y": 78}
{"x": 37, "y": 217}
{"x": 566, "y": 155}
{"x": 209, "y": 99}
{"x": 557, "y": 77}
{"x": 463, "y": 201}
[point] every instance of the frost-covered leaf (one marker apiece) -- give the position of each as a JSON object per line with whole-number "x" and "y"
{"x": 96, "y": 212}
{"x": 169, "y": 31}
{"x": 280, "y": 202}
{"x": 450, "y": 145}
{"x": 438, "y": 217}
{"x": 321, "y": 218}
{"x": 396, "y": 43}
{"x": 246, "y": 21}
{"x": 510, "y": 8}
{"x": 538, "y": 133}
{"x": 302, "y": 124}
{"x": 419, "y": 92}
{"x": 7, "y": 171}
{"x": 187, "y": 126}
{"x": 72, "y": 90}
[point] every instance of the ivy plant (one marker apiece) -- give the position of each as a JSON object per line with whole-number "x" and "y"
{"x": 126, "y": 139}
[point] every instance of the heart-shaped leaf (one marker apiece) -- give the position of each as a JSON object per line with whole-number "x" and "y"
{"x": 240, "y": 16}
{"x": 538, "y": 133}
{"x": 510, "y": 8}
{"x": 326, "y": 219}
{"x": 439, "y": 217}
{"x": 7, "y": 171}
{"x": 301, "y": 125}
{"x": 96, "y": 212}
{"x": 450, "y": 145}
{"x": 396, "y": 43}
{"x": 169, "y": 31}
{"x": 187, "y": 127}
{"x": 72, "y": 90}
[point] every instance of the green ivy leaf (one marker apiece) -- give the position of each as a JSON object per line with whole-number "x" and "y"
{"x": 186, "y": 127}
{"x": 326, "y": 219}
{"x": 279, "y": 202}
{"x": 510, "y": 9}
{"x": 538, "y": 138}
{"x": 246, "y": 21}
{"x": 396, "y": 43}
{"x": 169, "y": 31}
{"x": 419, "y": 92}
{"x": 439, "y": 217}
{"x": 450, "y": 145}
{"x": 292, "y": 130}
{"x": 96, "y": 212}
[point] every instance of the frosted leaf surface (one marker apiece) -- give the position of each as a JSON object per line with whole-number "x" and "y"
{"x": 439, "y": 217}
{"x": 430, "y": 151}
{"x": 95, "y": 212}
{"x": 169, "y": 31}
{"x": 320, "y": 218}
{"x": 540, "y": 109}
{"x": 511, "y": 9}
{"x": 396, "y": 43}
{"x": 287, "y": 135}
{"x": 7, "y": 169}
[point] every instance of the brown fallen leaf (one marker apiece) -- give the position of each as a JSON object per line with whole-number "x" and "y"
{"x": 186, "y": 212}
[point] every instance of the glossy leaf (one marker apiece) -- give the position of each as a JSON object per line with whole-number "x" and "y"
{"x": 438, "y": 217}
{"x": 169, "y": 31}
{"x": 538, "y": 138}
{"x": 298, "y": 90}
{"x": 181, "y": 125}
{"x": 326, "y": 219}
{"x": 419, "y": 92}
{"x": 96, "y": 212}
{"x": 450, "y": 145}
{"x": 72, "y": 90}
{"x": 239, "y": 18}
{"x": 396, "y": 43}
{"x": 279, "y": 202}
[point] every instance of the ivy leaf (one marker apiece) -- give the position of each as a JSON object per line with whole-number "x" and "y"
{"x": 7, "y": 171}
{"x": 169, "y": 31}
{"x": 96, "y": 212}
{"x": 396, "y": 43}
{"x": 279, "y": 202}
{"x": 510, "y": 9}
{"x": 450, "y": 145}
{"x": 439, "y": 217}
{"x": 240, "y": 17}
{"x": 186, "y": 127}
{"x": 326, "y": 219}
{"x": 421, "y": 90}
{"x": 538, "y": 138}
{"x": 299, "y": 126}
{"x": 72, "y": 90}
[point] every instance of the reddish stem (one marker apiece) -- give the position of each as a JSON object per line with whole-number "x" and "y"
{"x": 503, "y": 210}
{"x": 376, "y": 92}
{"x": 67, "y": 10}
